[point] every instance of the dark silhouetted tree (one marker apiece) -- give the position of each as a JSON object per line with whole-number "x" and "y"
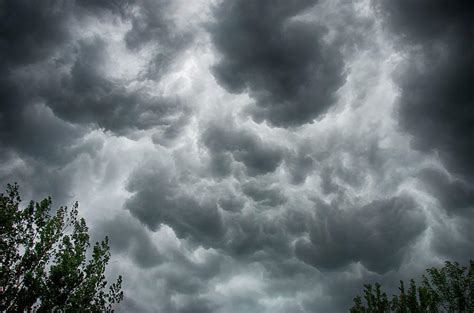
{"x": 44, "y": 261}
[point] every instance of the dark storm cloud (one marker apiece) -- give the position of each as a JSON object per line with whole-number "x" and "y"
{"x": 257, "y": 237}
{"x": 225, "y": 220}
{"x": 114, "y": 6}
{"x": 282, "y": 61}
{"x": 214, "y": 217}
{"x": 436, "y": 102}
{"x": 231, "y": 202}
{"x": 183, "y": 281}
{"x": 85, "y": 95}
{"x": 35, "y": 131}
{"x": 300, "y": 165}
{"x": 378, "y": 235}
{"x": 129, "y": 237}
{"x": 179, "y": 281}
{"x": 196, "y": 305}
{"x": 264, "y": 195}
{"x": 454, "y": 242}
{"x": 226, "y": 143}
{"x": 186, "y": 276}
{"x": 30, "y": 31}
{"x": 436, "y": 106}
{"x": 54, "y": 87}
{"x": 36, "y": 179}
{"x": 453, "y": 236}
{"x": 455, "y": 195}
{"x": 38, "y": 45}
{"x": 36, "y": 143}
{"x": 158, "y": 198}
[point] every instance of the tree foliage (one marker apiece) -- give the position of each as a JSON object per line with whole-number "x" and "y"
{"x": 44, "y": 260}
{"x": 448, "y": 289}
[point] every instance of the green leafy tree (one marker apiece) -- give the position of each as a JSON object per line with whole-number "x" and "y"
{"x": 448, "y": 289}
{"x": 44, "y": 264}
{"x": 375, "y": 299}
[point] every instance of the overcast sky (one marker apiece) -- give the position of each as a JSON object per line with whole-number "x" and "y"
{"x": 247, "y": 155}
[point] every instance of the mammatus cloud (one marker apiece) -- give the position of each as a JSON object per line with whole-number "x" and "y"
{"x": 377, "y": 235}
{"x": 228, "y": 144}
{"x": 157, "y": 183}
{"x": 247, "y": 156}
{"x": 64, "y": 77}
{"x": 436, "y": 103}
{"x": 284, "y": 61}
{"x": 436, "y": 96}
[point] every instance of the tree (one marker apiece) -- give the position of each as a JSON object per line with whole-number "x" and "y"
{"x": 44, "y": 260}
{"x": 448, "y": 289}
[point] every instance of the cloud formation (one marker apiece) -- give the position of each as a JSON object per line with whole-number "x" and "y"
{"x": 437, "y": 98}
{"x": 376, "y": 234}
{"x": 281, "y": 59}
{"x": 247, "y": 156}
{"x": 226, "y": 144}
{"x": 159, "y": 198}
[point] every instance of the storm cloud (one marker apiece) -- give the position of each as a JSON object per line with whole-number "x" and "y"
{"x": 227, "y": 144}
{"x": 283, "y": 61}
{"x": 436, "y": 103}
{"x": 247, "y": 156}
{"x": 436, "y": 83}
{"x": 375, "y": 234}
